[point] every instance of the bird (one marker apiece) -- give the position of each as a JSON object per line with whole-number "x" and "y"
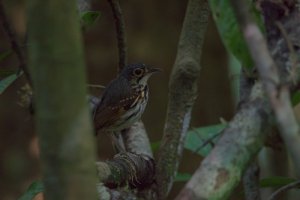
{"x": 124, "y": 99}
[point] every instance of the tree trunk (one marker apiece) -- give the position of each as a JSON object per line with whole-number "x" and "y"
{"x": 62, "y": 116}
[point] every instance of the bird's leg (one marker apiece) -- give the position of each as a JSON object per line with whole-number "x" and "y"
{"x": 117, "y": 142}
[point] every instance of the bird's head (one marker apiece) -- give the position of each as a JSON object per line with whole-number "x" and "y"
{"x": 138, "y": 73}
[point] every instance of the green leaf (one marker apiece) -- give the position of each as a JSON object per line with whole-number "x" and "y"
{"x": 296, "y": 98}
{"x": 275, "y": 181}
{"x": 88, "y": 18}
{"x": 5, "y": 54}
{"x": 155, "y": 146}
{"x": 35, "y": 188}
{"x": 197, "y": 137}
{"x": 6, "y": 82}
{"x": 230, "y": 32}
{"x": 183, "y": 177}
{"x": 6, "y": 72}
{"x": 234, "y": 77}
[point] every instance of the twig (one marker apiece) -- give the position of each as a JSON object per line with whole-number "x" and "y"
{"x": 208, "y": 141}
{"x": 14, "y": 43}
{"x": 120, "y": 31}
{"x": 278, "y": 95}
{"x": 96, "y": 86}
{"x": 284, "y": 189}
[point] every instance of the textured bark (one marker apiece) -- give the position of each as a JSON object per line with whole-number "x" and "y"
{"x": 62, "y": 115}
{"x": 251, "y": 182}
{"x": 182, "y": 93}
{"x": 251, "y": 175}
{"x": 105, "y": 193}
{"x": 276, "y": 77}
{"x": 135, "y": 167}
{"x": 136, "y": 140}
{"x": 127, "y": 168}
{"x": 221, "y": 171}
{"x": 282, "y": 21}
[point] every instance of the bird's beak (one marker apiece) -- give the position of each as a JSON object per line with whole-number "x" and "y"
{"x": 152, "y": 70}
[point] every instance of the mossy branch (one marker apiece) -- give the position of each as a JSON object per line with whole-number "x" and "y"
{"x": 276, "y": 76}
{"x": 221, "y": 171}
{"x": 127, "y": 168}
{"x": 182, "y": 93}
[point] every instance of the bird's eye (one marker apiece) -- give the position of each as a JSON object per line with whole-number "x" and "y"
{"x": 138, "y": 72}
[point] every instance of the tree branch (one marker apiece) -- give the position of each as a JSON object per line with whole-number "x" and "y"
{"x": 251, "y": 182}
{"x": 105, "y": 193}
{"x": 278, "y": 93}
{"x": 182, "y": 93}
{"x": 136, "y": 140}
{"x": 251, "y": 174}
{"x": 221, "y": 171}
{"x": 136, "y": 170}
{"x": 120, "y": 32}
{"x": 14, "y": 43}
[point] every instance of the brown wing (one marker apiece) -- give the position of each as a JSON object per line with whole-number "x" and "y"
{"x": 106, "y": 116}
{"x": 116, "y": 100}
